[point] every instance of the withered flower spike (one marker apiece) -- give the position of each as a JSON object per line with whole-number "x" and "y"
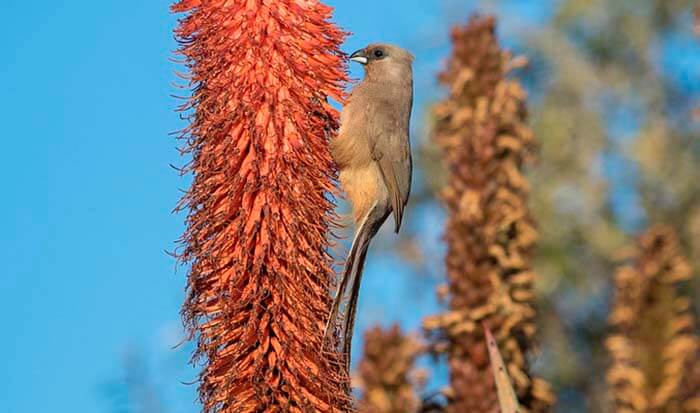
{"x": 387, "y": 372}
{"x": 486, "y": 142}
{"x": 259, "y": 205}
{"x": 655, "y": 355}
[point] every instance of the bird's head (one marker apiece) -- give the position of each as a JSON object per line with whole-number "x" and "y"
{"x": 383, "y": 58}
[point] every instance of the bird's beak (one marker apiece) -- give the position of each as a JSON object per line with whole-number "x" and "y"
{"x": 359, "y": 57}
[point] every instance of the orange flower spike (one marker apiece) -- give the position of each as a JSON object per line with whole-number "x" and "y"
{"x": 261, "y": 72}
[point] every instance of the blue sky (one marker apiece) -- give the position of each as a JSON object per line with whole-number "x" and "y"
{"x": 89, "y": 193}
{"x": 88, "y": 196}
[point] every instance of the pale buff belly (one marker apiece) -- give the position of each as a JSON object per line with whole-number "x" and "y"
{"x": 364, "y": 186}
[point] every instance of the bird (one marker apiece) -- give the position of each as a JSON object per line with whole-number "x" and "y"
{"x": 373, "y": 154}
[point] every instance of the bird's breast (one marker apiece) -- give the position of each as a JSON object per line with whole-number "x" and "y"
{"x": 351, "y": 145}
{"x": 364, "y": 187}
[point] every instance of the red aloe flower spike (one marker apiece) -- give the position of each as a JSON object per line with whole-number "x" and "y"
{"x": 259, "y": 206}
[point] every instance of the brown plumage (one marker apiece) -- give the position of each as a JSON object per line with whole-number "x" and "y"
{"x": 373, "y": 154}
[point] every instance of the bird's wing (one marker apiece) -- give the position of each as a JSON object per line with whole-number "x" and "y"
{"x": 390, "y": 149}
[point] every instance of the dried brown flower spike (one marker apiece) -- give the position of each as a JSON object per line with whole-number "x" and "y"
{"x": 654, "y": 350}
{"x": 482, "y": 130}
{"x": 387, "y": 374}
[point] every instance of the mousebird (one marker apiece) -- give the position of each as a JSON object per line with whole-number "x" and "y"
{"x": 373, "y": 154}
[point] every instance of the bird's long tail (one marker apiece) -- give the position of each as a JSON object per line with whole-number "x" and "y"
{"x": 352, "y": 276}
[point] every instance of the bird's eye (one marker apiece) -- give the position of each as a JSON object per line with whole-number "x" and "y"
{"x": 378, "y": 53}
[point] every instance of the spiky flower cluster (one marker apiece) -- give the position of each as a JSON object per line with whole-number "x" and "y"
{"x": 482, "y": 130}
{"x": 387, "y": 372}
{"x": 259, "y": 210}
{"x": 654, "y": 350}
